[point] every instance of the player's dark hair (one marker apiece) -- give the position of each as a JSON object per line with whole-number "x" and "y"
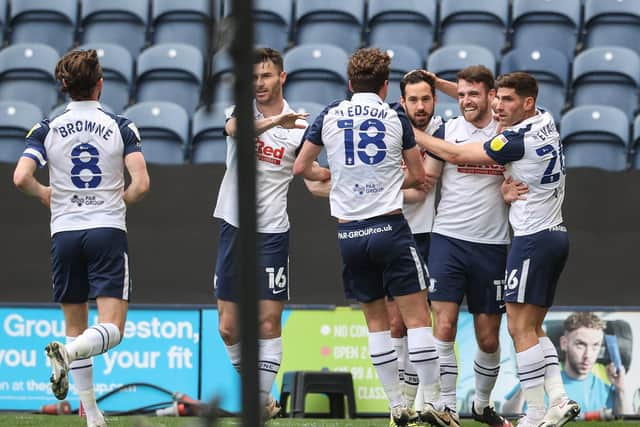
{"x": 523, "y": 83}
{"x": 583, "y": 319}
{"x": 477, "y": 74}
{"x": 418, "y": 76}
{"x": 368, "y": 70}
{"x": 265, "y": 54}
{"x": 78, "y": 72}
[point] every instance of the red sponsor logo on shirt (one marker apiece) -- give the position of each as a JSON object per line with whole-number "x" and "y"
{"x": 482, "y": 169}
{"x": 267, "y": 153}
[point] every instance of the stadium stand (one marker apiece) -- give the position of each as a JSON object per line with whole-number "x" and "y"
{"x": 539, "y": 24}
{"x": 122, "y": 22}
{"x": 608, "y": 76}
{"x": 223, "y": 77}
{"x": 117, "y": 72}
{"x": 550, "y": 67}
{"x": 335, "y": 22}
{"x": 16, "y": 118}
{"x": 447, "y": 110}
{"x": 316, "y": 73}
{"x": 170, "y": 72}
{"x": 26, "y": 74}
{"x": 595, "y": 136}
{"x": 483, "y": 22}
{"x": 51, "y": 23}
{"x": 3, "y": 17}
{"x": 164, "y": 127}
{"x": 416, "y": 18}
{"x": 634, "y": 150}
{"x": 403, "y": 59}
{"x": 313, "y": 108}
{"x": 612, "y": 23}
{"x": 62, "y": 107}
{"x": 272, "y": 22}
{"x": 182, "y": 21}
{"x": 208, "y": 142}
{"x": 448, "y": 60}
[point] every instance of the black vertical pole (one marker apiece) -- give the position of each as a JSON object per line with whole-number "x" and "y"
{"x": 241, "y": 50}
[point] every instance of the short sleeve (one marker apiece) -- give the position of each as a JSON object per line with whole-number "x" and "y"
{"x": 34, "y": 142}
{"x": 439, "y": 133}
{"x": 314, "y": 132}
{"x": 130, "y": 136}
{"x": 506, "y": 147}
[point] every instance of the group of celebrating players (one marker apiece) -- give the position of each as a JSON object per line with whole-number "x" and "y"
{"x": 500, "y": 164}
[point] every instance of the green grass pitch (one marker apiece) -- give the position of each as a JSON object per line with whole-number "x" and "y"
{"x": 27, "y": 420}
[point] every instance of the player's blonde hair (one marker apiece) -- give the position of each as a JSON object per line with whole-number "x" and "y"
{"x": 368, "y": 69}
{"x": 78, "y": 72}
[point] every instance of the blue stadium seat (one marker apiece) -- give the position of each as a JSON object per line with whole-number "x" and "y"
{"x": 315, "y": 73}
{"x": 208, "y": 143}
{"x": 223, "y": 77}
{"x": 49, "y": 22}
{"x": 403, "y": 59}
{"x": 272, "y": 22}
{"x": 117, "y": 72}
{"x": 182, "y": 21}
{"x": 541, "y": 24}
{"x": 482, "y": 22}
{"x": 447, "y": 110}
{"x": 122, "y": 22}
{"x": 164, "y": 128}
{"x": 170, "y": 72}
{"x": 595, "y": 136}
{"x": 16, "y": 118}
{"x": 612, "y": 23}
{"x": 26, "y": 74}
{"x": 550, "y": 67}
{"x": 402, "y": 22}
{"x": 3, "y": 16}
{"x": 448, "y": 60}
{"x": 635, "y": 144}
{"x": 63, "y": 107}
{"x": 335, "y": 22}
{"x": 313, "y": 108}
{"x": 608, "y": 76}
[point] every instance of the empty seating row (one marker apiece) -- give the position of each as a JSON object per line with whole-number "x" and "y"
{"x": 131, "y": 24}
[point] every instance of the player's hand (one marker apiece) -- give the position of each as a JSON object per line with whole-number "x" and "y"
{"x": 513, "y": 190}
{"x": 45, "y": 196}
{"x": 291, "y": 120}
{"x": 616, "y": 376}
{"x": 429, "y": 183}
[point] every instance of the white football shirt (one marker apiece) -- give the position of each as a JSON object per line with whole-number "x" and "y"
{"x": 532, "y": 152}
{"x": 471, "y": 206}
{"x": 275, "y": 155}
{"x": 364, "y": 138}
{"x": 85, "y": 148}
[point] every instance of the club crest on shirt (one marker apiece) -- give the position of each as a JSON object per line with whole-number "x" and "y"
{"x": 498, "y": 142}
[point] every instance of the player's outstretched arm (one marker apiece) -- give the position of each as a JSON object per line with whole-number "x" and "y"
{"x": 288, "y": 120}
{"x": 140, "y": 182}
{"x": 454, "y": 153}
{"x": 24, "y": 179}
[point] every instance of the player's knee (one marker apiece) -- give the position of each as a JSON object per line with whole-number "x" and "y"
{"x": 270, "y": 327}
{"x": 445, "y": 331}
{"x": 488, "y": 343}
{"x": 227, "y": 332}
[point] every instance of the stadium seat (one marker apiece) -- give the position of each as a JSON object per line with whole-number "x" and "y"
{"x": 313, "y": 108}
{"x": 448, "y": 60}
{"x": 170, "y": 72}
{"x": 612, "y": 23}
{"x": 316, "y": 73}
{"x": 62, "y": 108}
{"x": 403, "y": 59}
{"x": 164, "y": 128}
{"x": 635, "y": 144}
{"x": 608, "y": 76}
{"x": 483, "y": 22}
{"x": 334, "y": 22}
{"x": 272, "y": 22}
{"x": 223, "y": 77}
{"x": 26, "y": 74}
{"x": 447, "y": 110}
{"x": 208, "y": 142}
{"x": 182, "y": 21}
{"x": 117, "y": 72}
{"x": 595, "y": 136}
{"x": 49, "y": 22}
{"x": 122, "y": 22}
{"x": 3, "y": 16}
{"x": 550, "y": 67}
{"x": 16, "y": 118}
{"x": 402, "y": 22}
{"x": 542, "y": 24}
